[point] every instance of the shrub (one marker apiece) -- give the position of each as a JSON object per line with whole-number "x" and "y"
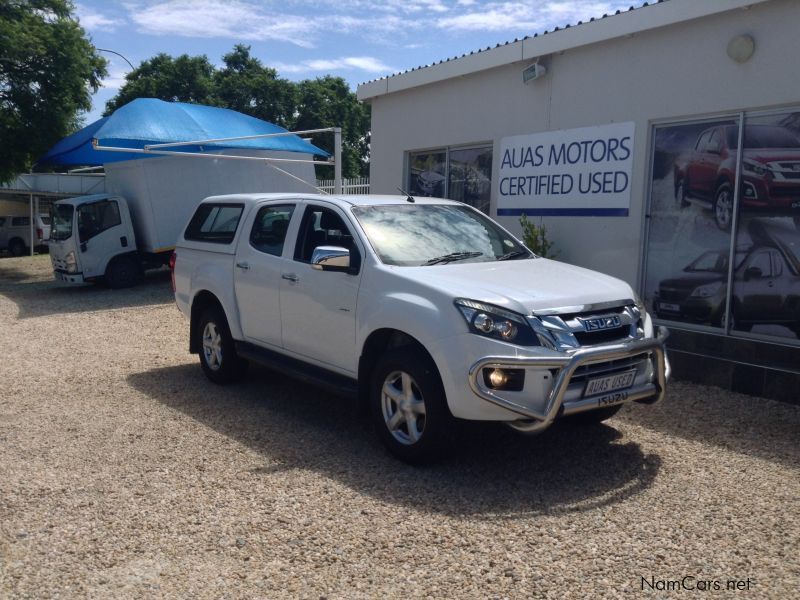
{"x": 535, "y": 237}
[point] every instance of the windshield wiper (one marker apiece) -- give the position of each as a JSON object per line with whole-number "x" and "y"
{"x": 513, "y": 254}
{"x": 453, "y": 256}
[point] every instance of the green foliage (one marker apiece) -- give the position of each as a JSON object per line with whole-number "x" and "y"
{"x": 535, "y": 238}
{"x": 246, "y": 85}
{"x": 47, "y": 69}
{"x": 183, "y": 79}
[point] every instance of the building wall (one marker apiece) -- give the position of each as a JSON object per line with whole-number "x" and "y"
{"x": 674, "y": 72}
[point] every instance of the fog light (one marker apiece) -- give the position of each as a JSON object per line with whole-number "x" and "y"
{"x": 498, "y": 378}
{"x": 510, "y": 380}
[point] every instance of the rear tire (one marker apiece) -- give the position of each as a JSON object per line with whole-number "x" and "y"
{"x": 409, "y": 407}
{"x": 16, "y": 247}
{"x": 123, "y": 272}
{"x": 218, "y": 357}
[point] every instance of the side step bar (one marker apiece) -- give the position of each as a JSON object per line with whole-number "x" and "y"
{"x": 296, "y": 369}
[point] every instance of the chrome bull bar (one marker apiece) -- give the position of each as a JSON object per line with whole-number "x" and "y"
{"x": 650, "y": 393}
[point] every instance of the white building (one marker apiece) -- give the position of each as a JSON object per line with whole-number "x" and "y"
{"x": 623, "y": 135}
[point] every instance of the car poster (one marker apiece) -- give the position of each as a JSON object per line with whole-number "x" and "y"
{"x": 691, "y": 237}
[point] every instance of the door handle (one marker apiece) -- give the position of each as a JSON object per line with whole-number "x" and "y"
{"x": 243, "y": 265}
{"x": 290, "y": 277}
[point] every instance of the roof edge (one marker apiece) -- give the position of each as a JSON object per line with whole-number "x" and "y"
{"x": 597, "y": 30}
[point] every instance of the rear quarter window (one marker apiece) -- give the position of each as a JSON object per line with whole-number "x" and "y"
{"x": 215, "y": 223}
{"x": 20, "y": 221}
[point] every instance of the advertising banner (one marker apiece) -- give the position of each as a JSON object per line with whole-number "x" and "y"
{"x": 691, "y": 242}
{"x": 571, "y": 172}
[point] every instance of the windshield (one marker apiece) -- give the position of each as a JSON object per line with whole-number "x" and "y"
{"x": 714, "y": 262}
{"x": 419, "y": 234}
{"x": 61, "y": 214}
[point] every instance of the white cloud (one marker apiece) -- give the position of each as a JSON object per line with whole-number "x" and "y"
{"x": 221, "y": 18}
{"x": 389, "y": 23}
{"x": 92, "y": 20}
{"x": 528, "y": 17}
{"x": 115, "y": 80}
{"x": 346, "y": 63}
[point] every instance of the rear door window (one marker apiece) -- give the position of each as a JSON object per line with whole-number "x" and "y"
{"x": 269, "y": 228}
{"x": 215, "y": 223}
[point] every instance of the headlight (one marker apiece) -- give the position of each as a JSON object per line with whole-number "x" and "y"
{"x": 708, "y": 290}
{"x": 497, "y": 323}
{"x": 72, "y": 264}
{"x": 754, "y": 167}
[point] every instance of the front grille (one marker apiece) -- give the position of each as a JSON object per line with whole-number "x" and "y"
{"x": 604, "y": 336}
{"x": 600, "y": 325}
{"x": 671, "y": 295}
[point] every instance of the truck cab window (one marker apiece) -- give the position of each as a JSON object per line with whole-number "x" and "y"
{"x": 269, "y": 228}
{"x": 96, "y": 217}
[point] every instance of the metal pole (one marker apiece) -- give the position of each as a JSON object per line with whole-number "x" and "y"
{"x": 734, "y": 228}
{"x": 337, "y": 158}
{"x": 31, "y": 225}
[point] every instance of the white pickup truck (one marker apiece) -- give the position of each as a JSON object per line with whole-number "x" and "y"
{"x": 423, "y": 307}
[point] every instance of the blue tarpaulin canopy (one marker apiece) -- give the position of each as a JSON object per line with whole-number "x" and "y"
{"x": 147, "y": 121}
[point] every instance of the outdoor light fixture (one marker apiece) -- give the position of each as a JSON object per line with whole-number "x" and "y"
{"x": 535, "y": 71}
{"x": 741, "y": 48}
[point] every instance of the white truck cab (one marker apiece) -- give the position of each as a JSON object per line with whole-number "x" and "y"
{"x": 424, "y": 307}
{"x": 92, "y": 238}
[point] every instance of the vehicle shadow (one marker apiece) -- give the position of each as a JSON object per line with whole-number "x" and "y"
{"x": 749, "y": 425}
{"x": 492, "y": 471}
{"x": 38, "y": 297}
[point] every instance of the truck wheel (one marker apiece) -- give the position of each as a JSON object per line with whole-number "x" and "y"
{"x": 723, "y": 207}
{"x": 16, "y": 247}
{"x": 123, "y": 272}
{"x": 598, "y": 415}
{"x": 218, "y": 357}
{"x": 409, "y": 408}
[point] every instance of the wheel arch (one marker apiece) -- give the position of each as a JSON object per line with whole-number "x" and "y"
{"x": 378, "y": 342}
{"x": 202, "y": 300}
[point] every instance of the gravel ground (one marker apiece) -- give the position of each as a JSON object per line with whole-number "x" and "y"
{"x": 124, "y": 473}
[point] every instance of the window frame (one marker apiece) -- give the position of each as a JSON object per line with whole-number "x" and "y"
{"x": 97, "y": 232}
{"x": 256, "y": 217}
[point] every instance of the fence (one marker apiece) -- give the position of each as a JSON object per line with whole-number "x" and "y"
{"x": 358, "y": 185}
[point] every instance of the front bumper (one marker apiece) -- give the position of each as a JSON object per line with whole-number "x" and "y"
{"x": 563, "y": 399}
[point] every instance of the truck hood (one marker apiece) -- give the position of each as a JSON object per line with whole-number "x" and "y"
{"x": 523, "y": 286}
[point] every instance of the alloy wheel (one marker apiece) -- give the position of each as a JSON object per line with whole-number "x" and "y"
{"x": 212, "y": 346}
{"x": 403, "y": 407}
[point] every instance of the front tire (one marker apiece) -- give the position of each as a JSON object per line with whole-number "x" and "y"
{"x": 218, "y": 357}
{"x": 123, "y": 272}
{"x": 723, "y": 207}
{"x": 409, "y": 407}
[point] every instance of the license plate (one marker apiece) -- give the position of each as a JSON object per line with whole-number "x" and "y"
{"x": 672, "y": 307}
{"x": 601, "y": 385}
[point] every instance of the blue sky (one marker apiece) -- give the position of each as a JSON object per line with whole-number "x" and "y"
{"x": 355, "y": 39}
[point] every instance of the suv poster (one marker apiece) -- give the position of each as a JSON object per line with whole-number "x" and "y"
{"x": 692, "y": 213}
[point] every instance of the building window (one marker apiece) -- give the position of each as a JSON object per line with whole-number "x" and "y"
{"x": 463, "y": 174}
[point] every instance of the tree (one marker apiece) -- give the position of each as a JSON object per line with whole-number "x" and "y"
{"x": 247, "y": 86}
{"x": 47, "y": 69}
{"x": 328, "y": 102}
{"x": 183, "y": 79}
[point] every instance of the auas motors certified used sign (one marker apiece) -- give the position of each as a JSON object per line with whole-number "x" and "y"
{"x": 579, "y": 172}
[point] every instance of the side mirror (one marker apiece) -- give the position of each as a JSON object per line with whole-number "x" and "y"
{"x": 753, "y": 273}
{"x": 330, "y": 258}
